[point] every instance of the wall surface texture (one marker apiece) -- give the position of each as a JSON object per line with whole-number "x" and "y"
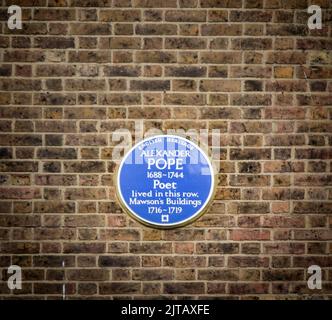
{"x": 81, "y": 69}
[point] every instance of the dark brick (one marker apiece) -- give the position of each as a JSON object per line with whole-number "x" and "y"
{"x": 149, "y": 85}
{"x": 57, "y": 153}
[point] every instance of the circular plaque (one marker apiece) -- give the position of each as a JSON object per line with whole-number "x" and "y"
{"x": 165, "y": 181}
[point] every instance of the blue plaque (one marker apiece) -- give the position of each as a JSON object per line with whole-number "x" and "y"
{"x": 165, "y": 181}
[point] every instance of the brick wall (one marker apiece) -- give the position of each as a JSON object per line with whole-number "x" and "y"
{"x": 80, "y": 69}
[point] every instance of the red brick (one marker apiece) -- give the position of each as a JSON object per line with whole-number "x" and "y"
{"x": 250, "y": 235}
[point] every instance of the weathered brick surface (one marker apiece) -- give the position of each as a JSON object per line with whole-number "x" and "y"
{"x": 81, "y": 69}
